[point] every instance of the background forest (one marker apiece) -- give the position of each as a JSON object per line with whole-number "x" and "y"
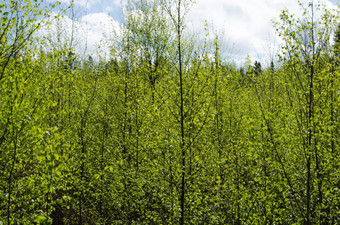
{"x": 164, "y": 130}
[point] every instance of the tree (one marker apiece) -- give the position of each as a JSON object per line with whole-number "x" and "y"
{"x": 307, "y": 45}
{"x": 24, "y": 137}
{"x": 148, "y": 25}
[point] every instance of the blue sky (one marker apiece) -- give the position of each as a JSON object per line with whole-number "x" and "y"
{"x": 246, "y": 24}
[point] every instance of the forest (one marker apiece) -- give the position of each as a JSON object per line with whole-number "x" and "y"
{"x": 165, "y": 130}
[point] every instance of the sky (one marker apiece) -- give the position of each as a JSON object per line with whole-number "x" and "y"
{"x": 246, "y": 24}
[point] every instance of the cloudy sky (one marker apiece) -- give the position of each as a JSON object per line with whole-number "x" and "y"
{"x": 246, "y": 24}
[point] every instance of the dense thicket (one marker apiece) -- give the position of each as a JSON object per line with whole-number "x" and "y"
{"x": 166, "y": 131}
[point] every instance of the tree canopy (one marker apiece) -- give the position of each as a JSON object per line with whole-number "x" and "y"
{"x": 164, "y": 130}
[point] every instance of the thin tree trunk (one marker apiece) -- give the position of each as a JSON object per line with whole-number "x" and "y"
{"x": 10, "y": 182}
{"x": 181, "y": 111}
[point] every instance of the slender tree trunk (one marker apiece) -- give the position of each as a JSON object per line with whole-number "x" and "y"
{"x": 104, "y": 135}
{"x": 182, "y": 146}
{"x": 81, "y": 169}
{"x": 10, "y": 182}
{"x": 310, "y": 128}
{"x": 137, "y": 124}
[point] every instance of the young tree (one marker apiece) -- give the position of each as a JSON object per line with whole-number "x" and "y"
{"x": 149, "y": 27}
{"x": 25, "y": 139}
{"x": 307, "y": 84}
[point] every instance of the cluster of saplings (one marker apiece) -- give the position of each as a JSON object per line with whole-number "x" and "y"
{"x": 166, "y": 131}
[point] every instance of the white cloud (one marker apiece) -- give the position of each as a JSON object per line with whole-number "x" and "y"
{"x": 246, "y": 24}
{"x": 100, "y": 28}
{"x": 88, "y": 35}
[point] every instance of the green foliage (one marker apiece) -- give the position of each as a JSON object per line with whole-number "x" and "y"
{"x": 166, "y": 131}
